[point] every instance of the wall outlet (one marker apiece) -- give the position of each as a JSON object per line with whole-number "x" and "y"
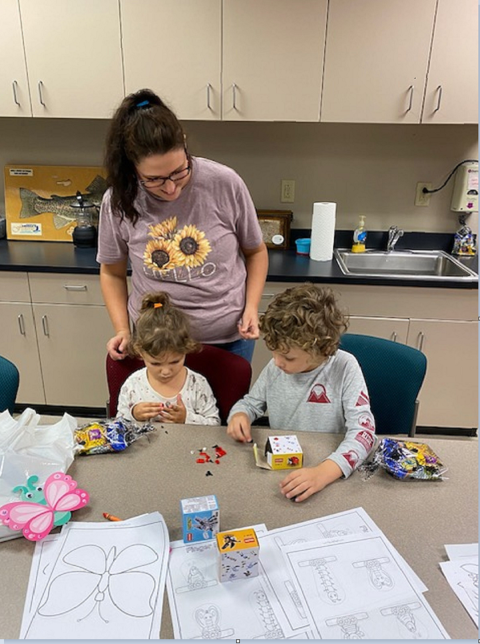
{"x": 422, "y": 198}
{"x": 288, "y": 191}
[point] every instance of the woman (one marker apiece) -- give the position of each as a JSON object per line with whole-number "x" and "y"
{"x": 187, "y": 225}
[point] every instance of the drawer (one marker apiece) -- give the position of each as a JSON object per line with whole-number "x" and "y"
{"x": 53, "y": 288}
{"x": 14, "y": 287}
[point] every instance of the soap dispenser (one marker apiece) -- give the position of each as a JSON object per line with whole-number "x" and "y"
{"x": 359, "y": 236}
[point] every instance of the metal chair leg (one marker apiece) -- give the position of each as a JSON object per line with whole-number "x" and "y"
{"x": 414, "y": 421}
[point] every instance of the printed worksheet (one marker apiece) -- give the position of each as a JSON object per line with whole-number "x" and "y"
{"x": 280, "y": 587}
{"x": 105, "y": 581}
{"x": 354, "y": 587}
{"x": 204, "y": 608}
{"x": 462, "y": 575}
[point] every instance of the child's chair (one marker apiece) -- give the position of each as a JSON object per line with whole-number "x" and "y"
{"x": 9, "y": 382}
{"x": 394, "y": 373}
{"x": 229, "y": 376}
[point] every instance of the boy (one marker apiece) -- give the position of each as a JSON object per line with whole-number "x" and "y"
{"x": 309, "y": 385}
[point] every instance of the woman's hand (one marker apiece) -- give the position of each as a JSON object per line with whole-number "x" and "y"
{"x": 301, "y": 484}
{"x": 146, "y": 410}
{"x": 239, "y": 427}
{"x": 117, "y": 346}
{"x": 248, "y": 325}
{"x": 175, "y": 413}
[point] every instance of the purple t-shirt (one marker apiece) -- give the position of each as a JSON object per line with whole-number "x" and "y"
{"x": 189, "y": 248}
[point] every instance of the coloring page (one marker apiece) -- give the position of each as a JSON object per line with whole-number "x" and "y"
{"x": 106, "y": 582}
{"x": 204, "y": 608}
{"x": 462, "y": 575}
{"x": 458, "y": 550}
{"x": 280, "y": 586}
{"x": 354, "y": 587}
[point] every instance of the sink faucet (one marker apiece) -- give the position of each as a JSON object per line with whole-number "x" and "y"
{"x": 394, "y": 234}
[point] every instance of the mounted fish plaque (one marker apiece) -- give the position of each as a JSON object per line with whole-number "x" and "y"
{"x": 38, "y": 199}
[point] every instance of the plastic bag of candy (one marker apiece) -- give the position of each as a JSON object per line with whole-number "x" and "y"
{"x": 113, "y": 435}
{"x": 404, "y": 460}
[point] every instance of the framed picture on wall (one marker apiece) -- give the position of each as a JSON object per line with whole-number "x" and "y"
{"x": 275, "y": 225}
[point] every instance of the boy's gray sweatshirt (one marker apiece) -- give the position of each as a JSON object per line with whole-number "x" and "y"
{"x": 331, "y": 398}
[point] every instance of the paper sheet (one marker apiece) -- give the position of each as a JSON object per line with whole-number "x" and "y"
{"x": 106, "y": 581}
{"x": 462, "y": 575}
{"x": 458, "y": 550}
{"x": 203, "y": 608}
{"x": 353, "y": 587}
{"x": 292, "y": 614}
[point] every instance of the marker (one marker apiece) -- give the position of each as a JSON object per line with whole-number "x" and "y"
{"x": 111, "y": 517}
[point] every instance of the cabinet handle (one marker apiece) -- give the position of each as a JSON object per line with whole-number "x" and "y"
{"x": 439, "y": 100}
{"x": 268, "y": 296}
{"x": 40, "y": 93}
{"x": 421, "y": 338}
{"x": 21, "y": 324}
{"x": 411, "y": 89}
{"x": 14, "y": 87}
{"x": 209, "y": 87}
{"x": 394, "y": 336}
{"x": 45, "y": 326}
{"x": 75, "y": 287}
{"x": 234, "y": 92}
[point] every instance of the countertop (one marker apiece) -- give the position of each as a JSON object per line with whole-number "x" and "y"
{"x": 284, "y": 265}
{"x": 156, "y": 472}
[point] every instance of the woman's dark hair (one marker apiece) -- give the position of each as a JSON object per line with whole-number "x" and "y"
{"x": 141, "y": 126}
{"x": 161, "y": 328}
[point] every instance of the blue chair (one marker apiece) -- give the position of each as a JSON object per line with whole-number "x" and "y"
{"x": 394, "y": 374}
{"x": 9, "y": 381}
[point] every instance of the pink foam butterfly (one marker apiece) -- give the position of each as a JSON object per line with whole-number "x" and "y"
{"x": 35, "y": 519}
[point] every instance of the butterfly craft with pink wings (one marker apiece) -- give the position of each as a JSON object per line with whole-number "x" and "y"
{"x": 36, "y": 520}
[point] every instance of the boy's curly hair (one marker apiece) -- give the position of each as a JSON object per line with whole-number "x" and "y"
{"x": 306, "y": 317}
{"x": 161, "y": 327}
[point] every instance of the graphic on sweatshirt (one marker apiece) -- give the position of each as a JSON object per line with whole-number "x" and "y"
{"x": 318, "y": 394}
{"x": 352, "y": 458}
{"x": 172, "y": 248}
{"x": 366, "y": 421}
{"x": 363, "y": 399}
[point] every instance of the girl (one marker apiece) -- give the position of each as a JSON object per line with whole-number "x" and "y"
{"x": 165, "y": 389}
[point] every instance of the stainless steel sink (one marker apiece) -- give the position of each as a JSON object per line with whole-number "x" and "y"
{"x": 404, "y": 264}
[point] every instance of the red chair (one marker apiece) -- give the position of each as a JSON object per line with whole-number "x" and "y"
{"x": 229, "y": 376}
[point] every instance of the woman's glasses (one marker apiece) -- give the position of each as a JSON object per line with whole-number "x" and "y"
{"x": 157, "y": 182}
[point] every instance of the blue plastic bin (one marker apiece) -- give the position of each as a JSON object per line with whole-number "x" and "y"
{"x": 303, "y": 246}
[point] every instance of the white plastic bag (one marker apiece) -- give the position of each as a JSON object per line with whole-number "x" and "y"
{"x": 28, "y": 448}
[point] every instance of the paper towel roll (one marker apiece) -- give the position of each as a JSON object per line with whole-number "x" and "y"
{"x": 323, "y": 231}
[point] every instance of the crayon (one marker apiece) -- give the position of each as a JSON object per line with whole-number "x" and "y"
{"x": 111, "y": 517}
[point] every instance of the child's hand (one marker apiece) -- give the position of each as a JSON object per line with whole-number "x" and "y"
{"x": 239, "y": 427}
{"x": 301, "y": 484}
{"x": 175, "y": 413}
{"x": 146, "y": 410}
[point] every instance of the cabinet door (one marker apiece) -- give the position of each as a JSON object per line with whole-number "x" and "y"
{"x": 14, "y": 94}
{"x": 73, "y": 57}
{"x": 18, "y": 343}
{"x": 273, "y": 59}
{"x": 376, "y": 60}
{"x": 395, "y": 329}
{"x": 452, "y": 87}
{"x": 72, "y": 343}
{"x": 183, "y": 65}
{"x": 449, "y": 395}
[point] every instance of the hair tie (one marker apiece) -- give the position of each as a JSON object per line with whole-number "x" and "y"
{"x": 143, "y": 104}
{"x": 157, "y": 305}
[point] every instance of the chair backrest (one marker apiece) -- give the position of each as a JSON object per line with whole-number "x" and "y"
{"x": 9, "y": 381}
{"x": 228, "y": 374}
{"x": 394, "y": 373}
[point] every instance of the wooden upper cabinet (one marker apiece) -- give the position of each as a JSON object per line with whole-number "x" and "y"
{"x": 14, "y": 94}
{"x": 174, "y": 48}
{"x": 452, "y": 87}
{"x": 273, "y": 59}
{"x": 376, "y": 60}
{"x": 73, "y": 57}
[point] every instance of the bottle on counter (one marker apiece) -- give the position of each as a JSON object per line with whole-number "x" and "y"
{"x": 359, "y": 236}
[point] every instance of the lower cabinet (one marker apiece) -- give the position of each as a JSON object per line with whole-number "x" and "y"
{"x": 443, "y": 323}
{"x": 56, "y": 336}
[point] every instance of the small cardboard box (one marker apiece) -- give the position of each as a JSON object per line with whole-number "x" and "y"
{"x": 239, "y": 550}
{"x": 283, "y": 453}
{"x": 200, "y": 518}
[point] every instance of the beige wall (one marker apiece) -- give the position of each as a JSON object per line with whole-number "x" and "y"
{"x": 369, "y": 169}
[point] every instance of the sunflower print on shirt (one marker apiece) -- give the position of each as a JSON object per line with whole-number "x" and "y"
{"x": 170, "y": 248}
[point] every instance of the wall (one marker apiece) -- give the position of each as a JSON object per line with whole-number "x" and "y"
{"x": 369, "y": 169}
